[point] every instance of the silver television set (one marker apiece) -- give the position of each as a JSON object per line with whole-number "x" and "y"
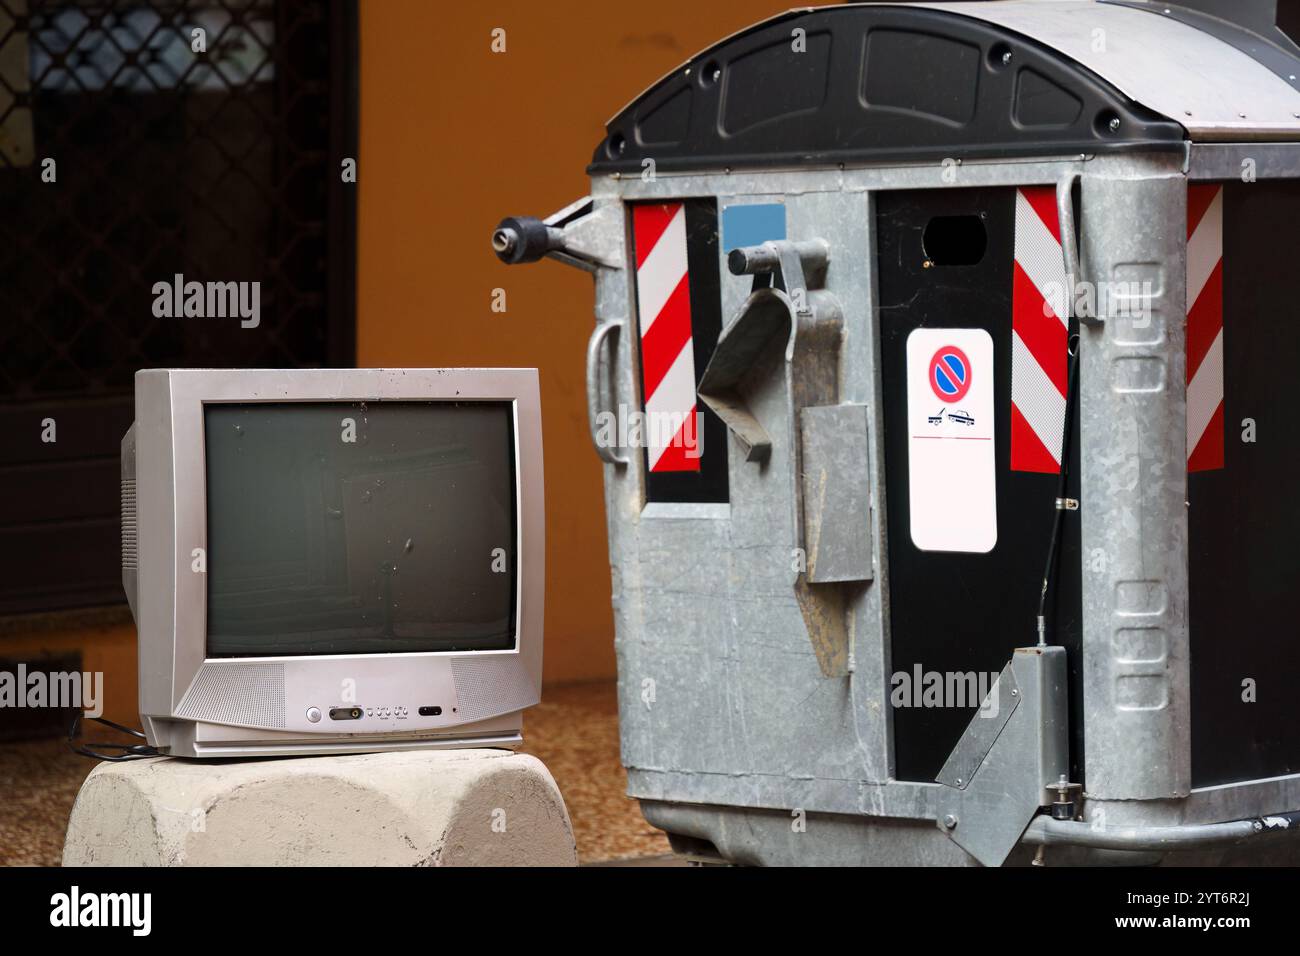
{"x": 334, "y": 561}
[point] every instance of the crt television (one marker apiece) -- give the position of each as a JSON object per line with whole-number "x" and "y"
{"x": 334, "y": 560}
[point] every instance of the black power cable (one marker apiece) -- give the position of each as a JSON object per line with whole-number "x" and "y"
{"x": 1061, "y": 504}
{"x": 125, "y": 751}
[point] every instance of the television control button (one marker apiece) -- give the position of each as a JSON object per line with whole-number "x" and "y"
{"x": 313, "y": 714}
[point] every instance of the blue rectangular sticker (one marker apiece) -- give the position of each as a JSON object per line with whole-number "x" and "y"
{"x": 752, "y": 225}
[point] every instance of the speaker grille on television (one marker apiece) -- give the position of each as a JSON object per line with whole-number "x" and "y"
{"x": 250, "y": 694}
{"x": 488, "y": 686}
{"x": 129, "y": 540}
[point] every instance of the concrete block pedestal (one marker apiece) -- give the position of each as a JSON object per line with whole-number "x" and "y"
{"x": 417, "y": 808}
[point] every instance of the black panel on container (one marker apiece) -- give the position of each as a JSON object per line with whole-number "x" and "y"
{"x": 1040, "y": 102}
{"x": 1243, "y": 523}
{"x": 874, "y": 83}
{"x": 920, "y": 74}
{"x": 953, "y": 612}
{"x": 778, "y": 83}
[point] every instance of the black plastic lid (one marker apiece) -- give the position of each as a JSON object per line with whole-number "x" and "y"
{"x": 874, "y": 83}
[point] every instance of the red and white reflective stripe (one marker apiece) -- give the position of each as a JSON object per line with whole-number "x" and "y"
{"x": 667, "y": 349}
{"x": 1204, "y": 327}
{"x": 1039, "y": 334}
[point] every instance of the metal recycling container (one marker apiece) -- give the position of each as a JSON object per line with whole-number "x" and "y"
{"x": 941, "y": 378}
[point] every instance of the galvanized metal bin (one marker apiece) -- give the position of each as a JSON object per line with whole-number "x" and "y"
{"x": 867, "y": 277}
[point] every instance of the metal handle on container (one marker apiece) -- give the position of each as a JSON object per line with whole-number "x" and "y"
{"x": 595, "y": 355}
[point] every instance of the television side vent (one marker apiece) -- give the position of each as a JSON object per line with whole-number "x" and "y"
{"x": 130, "y": 542}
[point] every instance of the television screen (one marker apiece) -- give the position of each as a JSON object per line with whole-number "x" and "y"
{"x": 359, "y": 528}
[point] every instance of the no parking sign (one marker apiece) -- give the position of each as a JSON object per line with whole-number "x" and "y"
{"x": 952, "y": 478}
{"x": 950, "y": 373}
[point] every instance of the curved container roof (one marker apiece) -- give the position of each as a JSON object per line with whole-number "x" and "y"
{"x": 924, "y": 82}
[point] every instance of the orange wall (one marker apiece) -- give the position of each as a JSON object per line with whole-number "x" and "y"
{"x": 108, "y": 649}
{"x": 453, "y": 138}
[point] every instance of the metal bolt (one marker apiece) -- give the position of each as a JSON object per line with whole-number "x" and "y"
{"x": 1006, "y": 58}
{"x": 1113, "y": 125}
{"x": 950, "y": 822}
{"x": 504, "y": 241}
{"x": 1015, "y": 693}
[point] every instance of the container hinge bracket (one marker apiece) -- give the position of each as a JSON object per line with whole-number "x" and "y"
{"x": 1010, "y": 761}
{"x": 1067, "y": 504}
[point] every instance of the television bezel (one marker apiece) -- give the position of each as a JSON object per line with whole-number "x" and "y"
{"x": 166, "y": 554}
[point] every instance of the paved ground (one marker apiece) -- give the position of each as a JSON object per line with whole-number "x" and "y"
{"x": 574, "y": 731}
{"x": 40, "y": 780}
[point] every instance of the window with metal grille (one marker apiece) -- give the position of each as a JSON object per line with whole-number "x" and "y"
{"x": 141, "y": 141}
